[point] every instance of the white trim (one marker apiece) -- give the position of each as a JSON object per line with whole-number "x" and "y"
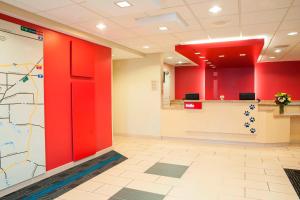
{"x": 51, "y": 173}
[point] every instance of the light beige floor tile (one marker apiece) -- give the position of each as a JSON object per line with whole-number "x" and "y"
{"x": 149, "y": 187}
{"x": 139, "y": 176}
{"x": 269, "y": 195}
{"x": 82, "y": 195}
{"x": 281, "y": 188}
{"x": 89, "y": 186}
{"x": 112, "y": 180}
{"x": 108, "y": 190}
{"x": 168, "y": 181}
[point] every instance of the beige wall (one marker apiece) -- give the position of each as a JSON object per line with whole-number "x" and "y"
{"x": 136, "y": 104}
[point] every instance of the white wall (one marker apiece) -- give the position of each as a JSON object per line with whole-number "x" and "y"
{"x": 136, "y": 106}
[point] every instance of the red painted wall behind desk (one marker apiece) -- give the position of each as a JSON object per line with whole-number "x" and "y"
{"x": 58, "y": 95}
{"x": 230, "y": 82}
{"x": 274, "y": 77}
{"x": 189, "y": 80}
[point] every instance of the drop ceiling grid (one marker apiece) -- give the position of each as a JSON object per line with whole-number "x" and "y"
{"x": 245, "y": 17}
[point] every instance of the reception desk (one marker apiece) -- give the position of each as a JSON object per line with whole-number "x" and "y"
{"x": 232, "y": 121}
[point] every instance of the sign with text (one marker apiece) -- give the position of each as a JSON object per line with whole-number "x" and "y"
{"x": 193, "y": 105}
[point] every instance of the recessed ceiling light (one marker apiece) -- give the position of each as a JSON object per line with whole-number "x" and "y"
{"x": 242, "y": 54}
{"x": 278, "y": 50}
{"x": 292, "y": 33}
{"x": 221, "y": 56}
{"x": 208, "y": 63}
{"x": 179, "y": 62}
{"x": 272, "y": 57}
{"x": 215, "y": 9}
{"x": 202, "y": 57}
{"x": 163, "y": 28}
{"x": 170, "y": 57}
{"x": 101, "y": 26}
{"x": 205, "y": 60}
{"x": 197, "y": 53}
{"x": 123, "y": 4}
{"x": 146, "y": 47}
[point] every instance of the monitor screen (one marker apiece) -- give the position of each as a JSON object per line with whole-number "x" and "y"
{"x": 192, "y": 96}
{"x": 247, "y": 96}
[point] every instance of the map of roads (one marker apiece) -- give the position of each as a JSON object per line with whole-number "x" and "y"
{"x": 22, "y": 134}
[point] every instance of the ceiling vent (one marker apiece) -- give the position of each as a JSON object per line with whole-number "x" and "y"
{"x": 161, "y": 19}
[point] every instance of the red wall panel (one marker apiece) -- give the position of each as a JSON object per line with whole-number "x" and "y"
{"x": 103, "y": 98}
{"x": 58, "y": 95}
{"x": 82, "y": 58}
{"x": 83, "y": 119}
{"x": 230, "y": 82}
{"x": 271, "y": 78}
{"x": 189, "y": 80}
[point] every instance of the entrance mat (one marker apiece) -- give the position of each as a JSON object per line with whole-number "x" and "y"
{"x": 65, "y": 181}
{"x": 294, "y": 176}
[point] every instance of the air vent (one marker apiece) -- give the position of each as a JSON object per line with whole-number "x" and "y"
{"x": 161, "y": 19}
{"x": 281, "y": 46}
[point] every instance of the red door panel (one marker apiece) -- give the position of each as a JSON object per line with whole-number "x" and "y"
{"x": 83, "y": 119}
{"x": 82, "y": 58}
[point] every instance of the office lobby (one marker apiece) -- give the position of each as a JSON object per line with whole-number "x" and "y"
{"x": 150, "y": 99}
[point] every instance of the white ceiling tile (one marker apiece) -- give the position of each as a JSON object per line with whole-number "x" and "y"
{"x": 259, "y": 5}
{"x": 72, "y": 14}
{"x": 292, "y": 25}
{"x": 167, "y": 38}
{"x": 191, "y": 35}
{"x": 293, "y": 54}
{"x": 127, "y": 21}
{"x": 194, "y": 1}
{"x": 263, "y": 17}
{"x": 296, "y": 3}
{"x": 108, "y": 8}
{"x": 43, "y": 5}
{"x": 91, "y": 24}
{"x": 220, "y": 22}
{"x": 259, "y": 29}
{"x": 229, "y": 7}
{"x": 294, "y": 13}
{"x": 21, "y": 5}
{"x": 281, "y": 38}
{"x": 171, "y": 3}
{"x": 224, "y": 32}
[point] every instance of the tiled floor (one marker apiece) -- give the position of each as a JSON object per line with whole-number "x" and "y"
{"x": 215, "y": 171}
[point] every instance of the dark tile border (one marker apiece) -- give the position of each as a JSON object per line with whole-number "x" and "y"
{"x": 68, "y": 179}
{"x": 294, "y": 176}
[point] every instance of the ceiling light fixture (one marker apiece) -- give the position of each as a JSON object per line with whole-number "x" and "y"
{"x": 163, "y": 28}
{"x": 208, "y": 63}
{"x": 242, "y": 54}
{"x": 123, "y": 4}
{"x": 179, "y": 62}
{"x": 101, "y": 26}
{"x": 272, "y": 57}
{"x": 170, "y": 57}
{"x": 146, "y": 47}
{"x": 293, "y": 33}
{"x": 197, "y": 53}
{"x": 202, "y": 57}
{"x": 221, "y": 56}
{"x": 229, "y": 39}
{"x": 278, "y": 50}
{"x": 205, "y": 60}
{"x": 215, "y": 9}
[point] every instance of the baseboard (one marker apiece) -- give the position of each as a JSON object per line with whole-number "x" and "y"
{"x": 213, "y": 141}
{"x": 51, "y": 173}
{"x": 138, "y": 135}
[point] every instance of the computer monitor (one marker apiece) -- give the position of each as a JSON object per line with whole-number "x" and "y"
{"x": 247, "y": 96}
{"x": 192, "y": 96}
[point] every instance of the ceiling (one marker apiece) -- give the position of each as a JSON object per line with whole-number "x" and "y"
{"x": 242, "y": 53}
{"x": 239, "y": 18}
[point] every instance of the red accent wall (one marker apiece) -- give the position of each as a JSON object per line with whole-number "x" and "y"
{"x": 273, "y": 77}
{"x": 189, "y": 80}
{"x": 230, "y": 82}
{"x": 58, "y": 95}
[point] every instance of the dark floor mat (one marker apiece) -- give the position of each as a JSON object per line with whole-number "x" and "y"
{"x": 294, "y": 176}
{"x": 65, "y": 181}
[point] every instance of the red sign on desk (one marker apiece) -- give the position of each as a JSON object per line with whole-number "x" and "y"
{"x": 193, "y": 105}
